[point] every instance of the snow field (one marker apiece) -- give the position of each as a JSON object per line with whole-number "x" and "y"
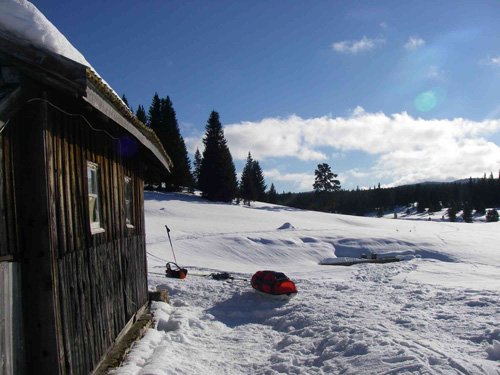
{"x": 438, "y": 313}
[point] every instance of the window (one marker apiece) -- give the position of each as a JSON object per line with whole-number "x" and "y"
{"x": 94, "y": 202}
{"x": 128, "y": 202}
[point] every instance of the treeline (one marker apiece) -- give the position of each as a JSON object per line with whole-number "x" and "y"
{"x": 212, "y": 171}
{"x": 214, "y": 174}
{"x": 471, "y": 195}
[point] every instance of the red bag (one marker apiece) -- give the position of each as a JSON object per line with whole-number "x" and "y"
{"x": 272, "y": 282}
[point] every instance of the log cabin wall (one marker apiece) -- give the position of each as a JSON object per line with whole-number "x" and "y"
{"x": 102, "y": 276}
{"x": 99, "y": 279}
{"x": 9, "y": 248}
{"x": 11, "y": 342}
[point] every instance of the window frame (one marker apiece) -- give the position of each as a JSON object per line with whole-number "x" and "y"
{"x": 128, "y": 201}
{"x": 93, "y": 190}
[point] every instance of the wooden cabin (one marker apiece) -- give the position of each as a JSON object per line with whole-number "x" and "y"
{"x": 73, "y": 159}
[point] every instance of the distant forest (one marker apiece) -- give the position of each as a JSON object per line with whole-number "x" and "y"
{"x": 213, "y": 173}
{"x": 473, "y": 194}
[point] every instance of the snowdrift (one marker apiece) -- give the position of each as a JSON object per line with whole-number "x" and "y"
{"x": 436, "y": 312}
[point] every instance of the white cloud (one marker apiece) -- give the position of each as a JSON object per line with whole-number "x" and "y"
{"x": 194, "y": 141}
{"x": 495, "y": 61}
{"x": 356, "y": 46}
{"x": 274, "y": 137}
{"x": 414, "y": 43}
{"x": 404, "y": 148}
{"x": 434, "y": 72}
{"x": 300, "y": 181}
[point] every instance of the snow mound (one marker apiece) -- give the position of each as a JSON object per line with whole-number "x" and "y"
{"x": 494, "y": 351}
{"x": 286, "y": 226}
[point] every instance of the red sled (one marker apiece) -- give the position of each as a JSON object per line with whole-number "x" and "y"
{"x": 274, "y": 283}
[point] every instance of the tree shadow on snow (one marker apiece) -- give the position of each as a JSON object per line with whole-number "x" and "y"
{"x": 246, "y": 308}
{"x": 276, "y": 208}
{"x": 171, "y": 196}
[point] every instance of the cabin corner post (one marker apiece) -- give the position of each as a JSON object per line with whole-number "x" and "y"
{"x": 39, "y": 272}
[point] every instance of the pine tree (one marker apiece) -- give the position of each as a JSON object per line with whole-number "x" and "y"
{"x": 141, "y": 115}
{"x": 467, "y": 213}
{"x": 272, "y": 195}
{"x": 325, "y": 179}
{"x": 259, "y": 181}
{"x": 173, "y": 143}
{"x": 492, "y": 216}
{"x": 452, "y": 213}
{"x": 162, "y": 119}
{"x": 154, "y": 114}
{"x": 420, "y": 207}
{"x": 380, "y": 212}
{"x": 217, "y": 179}
{"x": 252, "y": 185}
{"x": 124, "y": 99}
{"x": 153, "y": 121}
{"x": 196, "y": 167}
{"x": 248, "y": 190}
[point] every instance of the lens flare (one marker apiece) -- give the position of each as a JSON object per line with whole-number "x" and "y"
{"x": 426, "y": 101}
{"x": 128, "y": 146}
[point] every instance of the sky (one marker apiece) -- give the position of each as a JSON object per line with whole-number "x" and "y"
{"x": 385, "y": 92}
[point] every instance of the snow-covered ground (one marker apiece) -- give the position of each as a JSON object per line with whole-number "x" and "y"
{"x": 438, "y": 313}
{"x": 410, "y": 213}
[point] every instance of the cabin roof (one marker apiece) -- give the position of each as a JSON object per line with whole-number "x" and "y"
{"x": 74, "y": 79}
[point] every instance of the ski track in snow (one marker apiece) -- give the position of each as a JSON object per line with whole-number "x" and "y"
{"x": 364, "y": 319}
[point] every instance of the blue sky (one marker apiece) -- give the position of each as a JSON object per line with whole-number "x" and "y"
{"x": 383, "y": 91}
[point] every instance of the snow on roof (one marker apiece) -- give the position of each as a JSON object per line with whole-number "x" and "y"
{"x": 22, "y": 19}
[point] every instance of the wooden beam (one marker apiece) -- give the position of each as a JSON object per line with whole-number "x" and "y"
{"x": 103, "y": 106}
{"x": 38, "y": 279}
{"x": 42, "y": 65}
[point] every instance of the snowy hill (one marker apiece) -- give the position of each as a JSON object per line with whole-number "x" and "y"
{"x": 436, "y": 313}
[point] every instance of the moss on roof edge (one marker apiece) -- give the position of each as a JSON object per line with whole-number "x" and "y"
{"x": 125, "y": 111}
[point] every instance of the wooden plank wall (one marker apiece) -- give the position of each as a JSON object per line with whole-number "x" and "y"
{"x": 11, "y": 345}
{"x": 102, "y": 277}
{"x": 8, "y": 236}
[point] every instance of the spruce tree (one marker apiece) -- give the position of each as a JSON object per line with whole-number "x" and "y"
{"x": 162, "y": 119}
{"x": 492, "y": 216}
{"x": 124, "y": 99}
{"x": 173, "y": 143}
{"x": 420, "y": 207}
{"x": 196, "y": 167}
{"x": 141, "y": 115}
{"x": 248, "y": 190}
{"x": 258, "y": 181}
{"x": 467, "y": 213}
{"x": 452, "y": 213}
{"x": 272, "y": 195}
{"x": 217, "y": 179}
{"x": 153, "y": 121}
{"x": 252, "y": 185}
{"x": 154, "y": 114}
